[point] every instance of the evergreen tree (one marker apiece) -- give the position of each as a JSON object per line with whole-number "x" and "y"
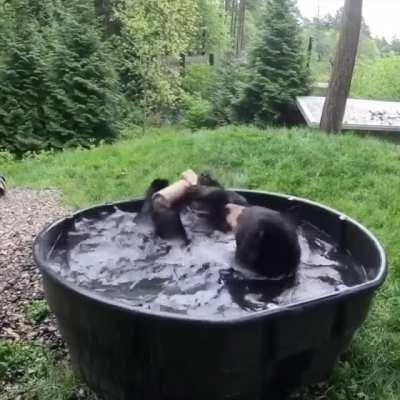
{"x": 24, "y": 82}
{"x": 55, "y": 81}
{"x": 81, "y": 102}
{"x": 278, "y": 71}
{"x": 229, "y": 80}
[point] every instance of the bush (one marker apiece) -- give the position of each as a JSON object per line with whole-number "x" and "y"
{"x": 197, "y": 112}
{"x": 130, "y": 114}
{"x": 199, "y": 80}
{"x": 229, "y": 83}
{"x": 38, "y": 311}
{"x": 378, "y": 79}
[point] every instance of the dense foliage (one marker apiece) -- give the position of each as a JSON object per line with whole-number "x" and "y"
{"x": 75, "y": 73}
{"x": 228, "y": 90}
{"x": 71, "y": 72}
{"x": 56, "y": 88}
{"x": 78, "y": 73}
{"x": 157, "y": 32}
{"x": 278, "y": 69}
{"x": 378, "y": 79}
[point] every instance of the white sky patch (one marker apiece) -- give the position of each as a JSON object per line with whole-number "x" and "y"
{"x": 381, "y": 15}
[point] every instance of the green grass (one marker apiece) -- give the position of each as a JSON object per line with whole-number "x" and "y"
{"x": 30, "y": 372}
{"x": 37, "y": 311}
{"x": 359, "y": 176}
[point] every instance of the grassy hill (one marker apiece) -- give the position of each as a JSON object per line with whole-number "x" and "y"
{"x": 359, "y": 176}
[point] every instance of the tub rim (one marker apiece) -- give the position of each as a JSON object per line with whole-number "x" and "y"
{"x": 369, "y": 286}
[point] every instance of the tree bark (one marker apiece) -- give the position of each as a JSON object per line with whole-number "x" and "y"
{"x": 343, "y": 68}
{"x": 242, "y": 20}
{"x": 234, "y": 21}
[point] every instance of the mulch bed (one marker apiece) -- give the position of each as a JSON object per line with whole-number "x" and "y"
{"x": 23, "y": 213}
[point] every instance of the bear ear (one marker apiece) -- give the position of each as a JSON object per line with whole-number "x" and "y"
{"x": 157, "y": 185}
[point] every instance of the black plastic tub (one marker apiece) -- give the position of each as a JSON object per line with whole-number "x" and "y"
{"x": 126, "y": 353}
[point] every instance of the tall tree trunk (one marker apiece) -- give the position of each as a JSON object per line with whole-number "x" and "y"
{"x": 233, "y": 18}
{"x": 234, "y": 25}
{"x": 242, "y": 19}
{"x": 343, "y": 67}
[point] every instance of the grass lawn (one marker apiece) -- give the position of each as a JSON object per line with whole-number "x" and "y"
{"x": 359, "y": 176}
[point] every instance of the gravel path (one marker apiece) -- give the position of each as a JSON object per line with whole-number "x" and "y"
{"x": 23, "y": 213}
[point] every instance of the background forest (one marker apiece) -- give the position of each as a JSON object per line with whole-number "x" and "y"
{"x": 75, "y": 73}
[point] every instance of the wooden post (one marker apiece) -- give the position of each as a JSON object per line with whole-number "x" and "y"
{"x": 309, "y": 51}
{"x": 182, "y": 63}
{"x": 343, "y": 67}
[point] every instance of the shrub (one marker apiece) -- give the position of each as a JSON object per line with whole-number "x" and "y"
{"x": 197, "y": 112}
{"x": 38, "y": 310}
{"x": 130, "y": 114}
{"x": 199, "y": 80}
{"x": 228, "y": 86}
